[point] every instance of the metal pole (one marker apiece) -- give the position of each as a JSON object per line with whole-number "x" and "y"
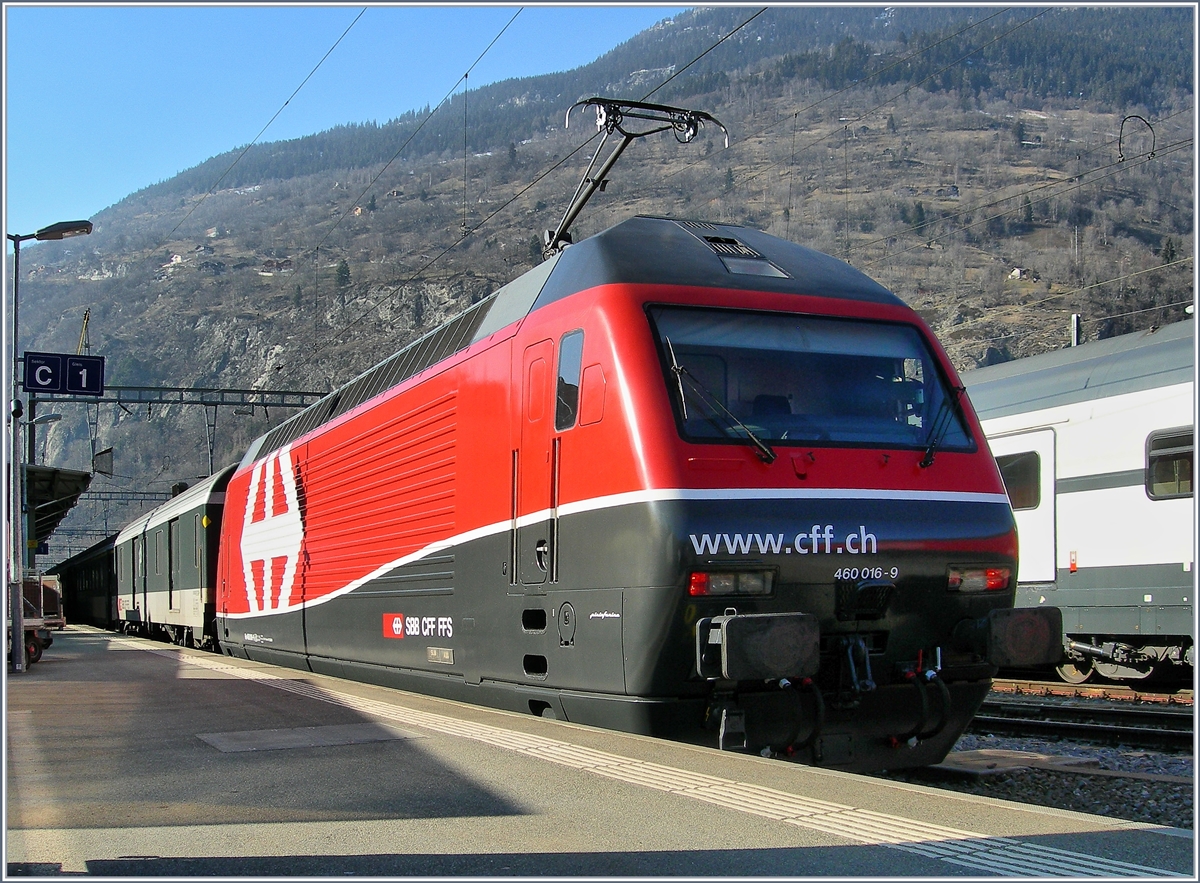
{"x": 30, "y": 429}
{"x": 17, "y": 481}
{"x": 17, "y": 514}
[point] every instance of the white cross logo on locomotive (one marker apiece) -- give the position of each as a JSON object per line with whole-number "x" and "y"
{"x": 272, "y": 533}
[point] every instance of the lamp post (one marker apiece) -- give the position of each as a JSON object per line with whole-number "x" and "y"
{"x": 19, "y": 552}
{"x": 40, "y": 420}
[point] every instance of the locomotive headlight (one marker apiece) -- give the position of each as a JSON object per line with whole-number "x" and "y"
{"x": 743, "y": 582}
{"x": 979, "y": 579}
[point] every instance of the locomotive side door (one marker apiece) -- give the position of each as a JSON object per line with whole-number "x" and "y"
{"x": 534, "y": 521}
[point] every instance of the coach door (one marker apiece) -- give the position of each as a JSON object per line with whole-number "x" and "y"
{"x": 534, "y": 520}
{"x": 1026, "y": 462}
{"x": 174, "y": 577}
{"x": 140, "y": 577}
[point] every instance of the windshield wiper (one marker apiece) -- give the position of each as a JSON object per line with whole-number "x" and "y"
{"x": 761, "y": 448}
{"x": 941, "y": 424}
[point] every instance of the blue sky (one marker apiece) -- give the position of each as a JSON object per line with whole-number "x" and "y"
{"x": 101, "y": 101}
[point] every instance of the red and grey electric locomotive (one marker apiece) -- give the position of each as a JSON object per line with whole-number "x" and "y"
{"x": 683, "y": 479}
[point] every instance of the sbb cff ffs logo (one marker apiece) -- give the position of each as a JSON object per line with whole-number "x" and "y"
{"x": 393, "y": 625}
{"x": 397, "y": 625}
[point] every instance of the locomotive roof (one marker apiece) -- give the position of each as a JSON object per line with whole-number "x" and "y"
{"x": 1124, "y": 364}
{"x": 663, "y": 251}
{"x": 640, "y": 250}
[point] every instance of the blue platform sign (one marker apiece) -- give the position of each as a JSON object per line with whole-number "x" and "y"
{"x": 62, "y": 373}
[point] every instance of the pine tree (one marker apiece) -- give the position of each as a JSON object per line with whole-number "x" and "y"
{"x": 343, "y": 274}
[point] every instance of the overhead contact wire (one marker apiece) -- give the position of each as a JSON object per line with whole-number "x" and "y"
{"x": 238, "y": 158}
{"x": 1112, "y": 170}
{"x": 417, "y": 130}
{"x": 900, "y": 94}
{"x": 704, "y": 53}
{"x": 794, "y": 116}
{"x": 537, "y": 179}
{"x": 1082, "y": 288}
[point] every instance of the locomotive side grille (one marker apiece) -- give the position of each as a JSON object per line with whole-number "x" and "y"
{"x": 403, "y": 498}
{"x": 429, "y": 349}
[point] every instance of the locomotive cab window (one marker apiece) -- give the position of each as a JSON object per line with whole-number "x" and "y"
{"x": 1022, "y": 475}
{"x": 570, "y": 362}
{"x": 804, "y": 380}
{"x": 1169, "y": 464}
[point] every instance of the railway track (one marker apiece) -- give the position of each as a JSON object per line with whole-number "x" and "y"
{"x": 1112, "y": 692}
{"x": 1102, "y": 715}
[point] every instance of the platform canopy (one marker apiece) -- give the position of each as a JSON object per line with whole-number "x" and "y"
{"x": 50, "y": 494}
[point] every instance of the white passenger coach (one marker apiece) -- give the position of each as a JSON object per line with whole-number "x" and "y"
{"x": 1095, "y": 446}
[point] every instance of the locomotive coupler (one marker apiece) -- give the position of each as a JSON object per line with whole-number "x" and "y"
{"x": 727, "y": 717}
{"x": 731, "y": 736}
{"x": 1110, "y": 651}
{"x": 856, "y": 656}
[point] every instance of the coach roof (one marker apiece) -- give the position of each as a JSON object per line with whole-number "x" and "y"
{"x": 1125, "y": 364}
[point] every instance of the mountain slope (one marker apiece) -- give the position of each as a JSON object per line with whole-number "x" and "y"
{"x": 934, "y": 155}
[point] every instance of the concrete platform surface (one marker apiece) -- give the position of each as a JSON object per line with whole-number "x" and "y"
{"x": 126, "y": 757}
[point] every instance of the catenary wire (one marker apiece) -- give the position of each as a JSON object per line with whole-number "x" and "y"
{"x": 1039, "y": 187}
{"x": 1089, "y": 320}
{"x": 1061, "y": 294}
{"x": 417, "y": 130}
{"x": 702, "y": 54}
{"x": 1112, "y": 169}
{"x": 857, "y": 83}
{"x": 238, "y": 158}
{"x": 537, "y": 179}
{"x": 897, "y": 96}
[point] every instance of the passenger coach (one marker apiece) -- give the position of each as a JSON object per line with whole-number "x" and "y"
{"x": 166, "y": 565}
{"x": 1096, "y": 446}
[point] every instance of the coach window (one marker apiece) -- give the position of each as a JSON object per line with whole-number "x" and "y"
{"x": 1169, "y": 464}
{"x": 570, "y": 362}
{"x": 1022, "y": 478}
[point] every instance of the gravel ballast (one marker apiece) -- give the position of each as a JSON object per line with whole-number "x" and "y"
{"x": 1150, "y": 800}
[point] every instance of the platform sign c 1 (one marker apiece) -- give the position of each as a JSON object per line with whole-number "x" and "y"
{"x": 62, "y": 373}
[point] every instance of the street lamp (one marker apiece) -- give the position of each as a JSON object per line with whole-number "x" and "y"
{"x": 19, "y": 552}
{"x": 40, "y": 420}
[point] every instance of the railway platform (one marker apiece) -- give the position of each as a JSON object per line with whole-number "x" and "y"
{"x": 127, "y": 757}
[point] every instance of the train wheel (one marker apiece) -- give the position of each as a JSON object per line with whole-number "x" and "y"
{"x": 1075, "y": 672}
{"x": 33, "y": 649}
